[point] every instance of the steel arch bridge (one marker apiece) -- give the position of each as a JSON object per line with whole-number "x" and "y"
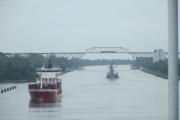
{"x": 118, "y": 50}
{"x": 93, "y": 50}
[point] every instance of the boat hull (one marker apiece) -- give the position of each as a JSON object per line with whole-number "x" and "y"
{"x": 44, "y": 95}
{"x": 112, "y": 76}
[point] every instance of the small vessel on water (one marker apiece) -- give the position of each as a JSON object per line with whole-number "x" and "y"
{"x": 48, "y": 85}
{"x": 112, "y": 74}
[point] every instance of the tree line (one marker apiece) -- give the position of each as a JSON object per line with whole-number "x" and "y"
{"x": 159, "y": 68}
{"x": 23, "y": 69}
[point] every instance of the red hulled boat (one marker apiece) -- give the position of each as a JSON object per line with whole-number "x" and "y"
{"x": 48, "y": 85}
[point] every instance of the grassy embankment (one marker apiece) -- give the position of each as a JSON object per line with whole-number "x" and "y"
{"x": 158, "y": 74}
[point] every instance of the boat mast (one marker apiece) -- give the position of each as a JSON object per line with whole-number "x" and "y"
{"x": 41, "y": 82}
{"x": 111, "y": 69}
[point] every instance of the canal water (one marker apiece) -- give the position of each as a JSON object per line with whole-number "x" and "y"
{"x": 88, "y": 95}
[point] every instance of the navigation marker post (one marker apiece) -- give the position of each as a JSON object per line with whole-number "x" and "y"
{"x": 173, "y": 60}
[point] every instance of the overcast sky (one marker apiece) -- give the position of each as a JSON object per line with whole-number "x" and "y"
{"x": 75, "y": 25}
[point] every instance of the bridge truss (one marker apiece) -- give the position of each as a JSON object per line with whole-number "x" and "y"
{"x": 93, "y": 50}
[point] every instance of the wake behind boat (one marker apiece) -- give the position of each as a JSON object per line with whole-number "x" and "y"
{"x": 48, "y": 85}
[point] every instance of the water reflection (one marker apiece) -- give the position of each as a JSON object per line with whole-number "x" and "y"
{"x": 37, "y": 104}
{"x": 113, "y": 79}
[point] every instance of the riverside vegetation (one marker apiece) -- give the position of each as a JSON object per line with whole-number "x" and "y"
{"x": 159, "y": 68}
{"x": 23, "y": 69}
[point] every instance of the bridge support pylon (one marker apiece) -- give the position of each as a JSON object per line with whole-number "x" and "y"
{"x": 173, "y": 60}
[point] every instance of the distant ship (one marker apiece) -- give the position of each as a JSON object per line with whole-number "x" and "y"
{"x": 112, "y": 74}
{"x": 48, "y": 85}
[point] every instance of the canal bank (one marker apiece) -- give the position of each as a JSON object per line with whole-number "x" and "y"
{"x": 158, "y": 74}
